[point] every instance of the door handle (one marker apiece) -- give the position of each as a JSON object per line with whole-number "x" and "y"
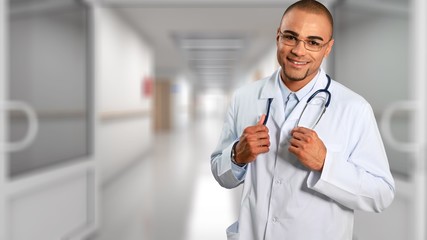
{"x": 386, "y": 129}
{"x": 33, "y": 125}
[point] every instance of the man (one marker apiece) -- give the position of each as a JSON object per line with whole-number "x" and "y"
{"x": 301, "y": 183}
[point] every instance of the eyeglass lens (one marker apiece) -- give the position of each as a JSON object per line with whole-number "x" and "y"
{"x": 311, "y": 45}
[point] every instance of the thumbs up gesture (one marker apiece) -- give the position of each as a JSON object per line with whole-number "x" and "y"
{"x": 254, "y": 141}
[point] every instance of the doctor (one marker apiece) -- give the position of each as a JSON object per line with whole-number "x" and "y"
{"x": 301, "y": 183}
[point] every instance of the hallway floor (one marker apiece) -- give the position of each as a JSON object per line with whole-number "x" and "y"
{"x": 170, "y": 194}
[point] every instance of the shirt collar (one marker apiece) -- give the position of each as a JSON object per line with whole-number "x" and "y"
{"x": 300, "y": 94}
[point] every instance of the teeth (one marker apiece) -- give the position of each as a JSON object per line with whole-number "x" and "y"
{"x": 299, "y": 63}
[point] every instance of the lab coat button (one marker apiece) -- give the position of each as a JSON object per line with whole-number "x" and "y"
{"x": 278, "y": 181}
{"x": 275, "y": 219}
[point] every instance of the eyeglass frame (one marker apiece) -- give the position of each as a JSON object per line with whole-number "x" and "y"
{"x": 297, "y": 41}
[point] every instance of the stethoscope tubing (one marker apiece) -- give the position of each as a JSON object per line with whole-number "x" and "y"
{"x": 268, "y": 110}
{"x": 325, "y": 90}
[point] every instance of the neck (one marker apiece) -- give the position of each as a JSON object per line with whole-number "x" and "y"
{"x": 294, "y": 85}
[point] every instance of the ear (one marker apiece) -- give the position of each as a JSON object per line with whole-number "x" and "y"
{"x": 277, "y": 34}
{"x": 329, "y": 47}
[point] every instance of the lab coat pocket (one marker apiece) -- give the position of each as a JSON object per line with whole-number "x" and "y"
{"x": 232, "y": 231}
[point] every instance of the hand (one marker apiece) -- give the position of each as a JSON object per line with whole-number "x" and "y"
{"x": 308, "y": 148}
{"x": 254, "y": 140}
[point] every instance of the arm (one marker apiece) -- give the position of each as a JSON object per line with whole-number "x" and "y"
{"x": 225, "y": 172}
{"x": 362, "y": 181}
{"x": 253, "y": 141}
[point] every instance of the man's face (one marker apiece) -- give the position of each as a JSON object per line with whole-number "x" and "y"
{"x": 300, "y": 65}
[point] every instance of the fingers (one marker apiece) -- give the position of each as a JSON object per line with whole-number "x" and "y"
{"x": 253, "y": 141}
{"x": 308, "y": 148}
{"x": 261, "y": 120}
{"x": 302, "y": 130}
{"x": 247, "y": 151}
{"x": 265, "y": 142}
{"x": 256, "y": 130}
{"x": 301, "y": 138}
{"x": 303, "y": 134}
{"x": 256, "y": 140}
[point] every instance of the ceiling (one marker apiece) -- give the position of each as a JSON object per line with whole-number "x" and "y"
{"x": 209, "y": 45}
{"x": 210, "y": 42}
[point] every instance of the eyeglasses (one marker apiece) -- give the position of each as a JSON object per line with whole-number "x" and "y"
{"x": 311, "y": 45}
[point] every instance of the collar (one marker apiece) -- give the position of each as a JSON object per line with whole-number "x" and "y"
{"x": 300, "y": 94}
{"x": 271, "y": 89}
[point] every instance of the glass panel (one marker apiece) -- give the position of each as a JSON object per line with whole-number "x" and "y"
{"x": 368, "y": 39}
{"x": 48, "y": 69}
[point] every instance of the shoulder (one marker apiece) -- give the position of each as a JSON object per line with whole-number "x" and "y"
{"x": 346, "y": 101}
{"x": 344, "y": 95}
{"x": 246, "y": 99}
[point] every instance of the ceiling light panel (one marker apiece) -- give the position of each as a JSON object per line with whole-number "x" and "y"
{"x": 211, "y": 58}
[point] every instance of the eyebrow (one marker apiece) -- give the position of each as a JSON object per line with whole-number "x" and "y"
{"x": 297, "y": 35}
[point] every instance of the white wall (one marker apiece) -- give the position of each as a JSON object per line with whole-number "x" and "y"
{"x": 122, "y": 61}
{"x": 263, "y": 68}
{"x": 372, "y": 55}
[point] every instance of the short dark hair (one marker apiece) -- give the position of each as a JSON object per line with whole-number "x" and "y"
{"x": 311, "y": 6}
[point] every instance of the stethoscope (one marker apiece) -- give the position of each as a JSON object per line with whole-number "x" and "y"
{"x": 324, "y": 106}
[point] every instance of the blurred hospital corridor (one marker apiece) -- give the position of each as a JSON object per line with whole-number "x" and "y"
{"x": 110, "y": 110}
{"x": 170, "y": 193}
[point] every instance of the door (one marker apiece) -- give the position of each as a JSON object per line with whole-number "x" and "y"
{"x": 48, "y": 174}
{"x": 162, "y": 105}
{"x": 379, "y": 53}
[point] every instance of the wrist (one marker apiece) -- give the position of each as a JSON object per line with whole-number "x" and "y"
{"x": 234, "y": 155}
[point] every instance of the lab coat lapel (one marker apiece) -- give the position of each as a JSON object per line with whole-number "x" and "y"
{"x": 277, "y": 110}
{"x": 272, "y": 90}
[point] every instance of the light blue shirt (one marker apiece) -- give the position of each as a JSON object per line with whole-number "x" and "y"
{"x": 300, "y": 94}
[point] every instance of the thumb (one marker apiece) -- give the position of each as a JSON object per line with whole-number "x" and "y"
{"x": 261, "y": 120}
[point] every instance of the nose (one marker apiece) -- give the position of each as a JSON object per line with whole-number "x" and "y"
{"x": 299, "y": 48}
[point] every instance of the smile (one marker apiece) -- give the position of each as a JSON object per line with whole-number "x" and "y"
{"x": 299, "y": 63}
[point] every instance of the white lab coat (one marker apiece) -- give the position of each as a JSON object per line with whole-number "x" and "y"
{"x": 281, "y": 198}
